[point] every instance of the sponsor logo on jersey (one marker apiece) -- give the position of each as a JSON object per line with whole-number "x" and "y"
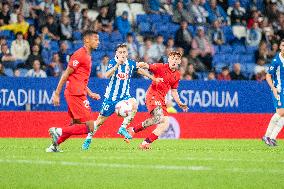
{"x": 122, "y": 76}
{"x": 75, "y": 63}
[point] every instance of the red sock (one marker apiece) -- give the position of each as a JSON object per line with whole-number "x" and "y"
{"x": 76, "y": 129}
{"x": 151, "y": 138}
{"x": 138, "y": 128}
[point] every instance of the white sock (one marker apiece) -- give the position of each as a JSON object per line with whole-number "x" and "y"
{"x": 91, "y": 134}
{"x": 272, "y": 124}
{"x": 128, "y": 119}
{"x": 277, "y": 129}
{"x": 59, "y": 131}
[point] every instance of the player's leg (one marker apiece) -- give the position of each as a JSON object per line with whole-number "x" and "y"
{"x": 107, "y": 109}
{"x": 126, "y": 121}
{"x": 156, "y": 118}
{"x": 96, "y": 124}
{"x": 278, "y": 127}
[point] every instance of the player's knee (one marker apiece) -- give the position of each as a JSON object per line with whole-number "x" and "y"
{"x": 134, "y": 104}
{"x": 281, "y": 112}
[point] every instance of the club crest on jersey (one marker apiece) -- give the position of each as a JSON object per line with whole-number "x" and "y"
{"x": 122, "y": 76}
{"x": 75, "y": 62}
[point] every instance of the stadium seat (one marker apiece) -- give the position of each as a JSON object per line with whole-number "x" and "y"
{"x": 154, "y": 18}
{"x": 23, "y": 72}
{"x": 141, "y": 18}
{"x": 228, "y": 33}
{"x": 5, "y": 33}
{"x": 239, "y": 49}
{"x": 77, "y": 35}
{"x": 135, "y": 9}
{"x": 9, "y": 72}
{"x": 166, "y": 18}
{"x": 116, "y": 37}
{"x": 219, "y": 66}
{"x": 145, "y": 28}
{"x": 239, "y": 31}
{"x": 104, "y": 36}
{"x": 120, "y": 7}
{"x": 54, "y": 46}
{"x": 172, "y": 28}
{"x": 231, "y": 59}
{"x": 225, "y": 49}
{"x": 30, "y": 21}
{"x": 218, "y": 58}
{"x": 251, "y": 49}
{"x": 192, "y": 30}
{"x": 77, "y": 45}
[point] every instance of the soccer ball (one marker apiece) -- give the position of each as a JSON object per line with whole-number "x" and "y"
{"x": 123, "y": 108}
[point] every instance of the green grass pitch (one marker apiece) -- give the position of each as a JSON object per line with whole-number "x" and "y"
{"x": 111, "y": 163}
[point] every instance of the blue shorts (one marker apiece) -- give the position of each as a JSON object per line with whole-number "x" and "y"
{"x": 278, "y": 103}
{"x": 108, "y": 106}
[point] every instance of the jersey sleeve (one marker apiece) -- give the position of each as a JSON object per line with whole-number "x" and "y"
{"x": 75, "y": 61}
{"x": 154, "y": 68}
{"x": 273, "y": 66}
{"x": 111, "y": 64}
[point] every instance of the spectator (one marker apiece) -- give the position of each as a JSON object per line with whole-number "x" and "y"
{"x": 211, "y": 76}
{"x": 184, "y": 62}
{"x": 280, "y": 32}
{"x": 17, "y": 73}
{"x": 272, "y": 12}
{"x": 255, "y": 17}
{"x": 180, "y": 14}
{"x": 195, "y": 61}
{"x": 225, "y": 74}
{"x": 260, "y": 70}
{"x": 148, "y": 52}
{"x": 102, "y": 68}
{"x": 191, "y": 72}
{"x": 32, "y": 35}
{"x": 85, "y": 22}
{"x": 46, "y": 36}
{"x": 216, "y": 34}
{"x": 236, "y": 73}
{"x": 159, "y": 46}
{"x": 187, "y": 77}
{"x": 171, "y": 44}
{"x": 123, "y": 24}
{"x": 253, "y": 35}
{"x": 66, "y": 29}
{"x": 47, "y": 4}
{"x": 20, "y": 47}
{"x": 273, "y": 52}
{"x": 199, "y": 13}
{"x": 262, "y": 52}
{"x": 152, "y": 6}
{"x": 183, "y": 37}
{"x": 25, "y": 7}
{"x": 182, "y": 71}
{"x": 6, "y": 58}
{"x": 20, "y": 26}
{"x": 236, "y": 13}
{"x": 4, "y": 14}
{"x": 36, "y": 71}
{"x": 3, "y": 41}
{"x": 215, "y": 12}
{"x": 2, "y": 70}
{"x": 203, "y": 47}
{"x": 35, "y": 55}
{"x": 53, "y": 28}
{"x": 63, "y": 54}
{"x": 104, "y": 20}
{"x": 14, "y": 14}
{"x": 55, "y": 68}
{"x": 132, "y": 47}
{"x": 164, "y": 58}
{"x": 75, "y": 16}
{"x": 38, "y": 42}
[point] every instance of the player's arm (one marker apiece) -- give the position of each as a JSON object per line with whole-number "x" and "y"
{"x": 146, "y": 74}
{"x": 177, "y": 99}
{"x": 62, "y": 81}
{"x": 142, "y": 65}
{"x": 270, "y": 83}
{"x": 94, "y": 96}
{"x": 111, "y": 69}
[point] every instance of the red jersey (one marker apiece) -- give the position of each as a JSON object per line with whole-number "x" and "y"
{"x": 77, "y": 82}
{"x": 158, "y": 91}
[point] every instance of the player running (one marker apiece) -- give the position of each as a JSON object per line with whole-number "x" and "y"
{"x": 119, "y": 70}
{"x": 155, "y": 98}
{"x": 275, "y": 78}
{"x": 76, "y": 77}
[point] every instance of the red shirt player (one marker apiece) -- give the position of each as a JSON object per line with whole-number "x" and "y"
{"x": 76, "y": 77}
{"x": 155, "y": 98}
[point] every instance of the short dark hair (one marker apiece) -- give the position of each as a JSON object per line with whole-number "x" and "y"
{"x": 282, "y": 40}
{"x": 122, "y": 45}
{"x": 19, "y": 33}
{"x": 175, "y": 53}
{"x": 88, "y": 33}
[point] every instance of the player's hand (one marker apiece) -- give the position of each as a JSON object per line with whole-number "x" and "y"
{"x": 183, "y": 107}
{"x": 275, "y": 93}
{"x": 56, "y": 99}
{"x": 142, "y": 65}
{"x": 158, "y": 79}
{"x": 95, "y": 96}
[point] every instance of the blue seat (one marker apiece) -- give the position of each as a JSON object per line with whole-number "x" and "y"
{"x": 77, "y": 45}
{"x": 104, "y": 36}
{"x": 23, "y": 72}
{"x": 219, "y": 66}
{"x": 9, "y": 72}
{"x": 235, "y": 58}
{"x": 216, "y": 49}
{"x": 192, "y": 30}
{"x": 225, "y": 49}
{"x": 116, "y": 37}
{"x": 250, "y": 66}
{"x": 141, "y": 18}
{"x": 145, "y": 28}
{"x": 172, "y": 28}
{"x": 228, "y": 33}
{"x": 166, "y": 18}
{"x": 251, "y": 49}
{"x": 239, "y": 49}
{"x": 154, "y": 18}
{"x": 30, "y": 21}
{"x": 5, "y": 33}
{"x": 54, "y": 46}
{"x": 77, "y": 35}
{"x": 218, "y": 58}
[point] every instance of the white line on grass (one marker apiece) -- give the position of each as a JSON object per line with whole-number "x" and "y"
{"x": 107, "y": 165}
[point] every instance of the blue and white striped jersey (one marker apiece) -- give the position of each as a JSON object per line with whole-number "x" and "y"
{"x": 119, "y": 83}
{"x": 276, "y": 69}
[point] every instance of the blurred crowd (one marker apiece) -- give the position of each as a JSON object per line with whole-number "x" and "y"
{"x": 37, "y": 37}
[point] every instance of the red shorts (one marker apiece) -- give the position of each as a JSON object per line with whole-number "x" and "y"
{"x": 78, "y": 107}
{"x": 152, "y": 102}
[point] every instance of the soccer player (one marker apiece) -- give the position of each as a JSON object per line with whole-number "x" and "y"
{"x": 275, "y": 78}
{"x": 155, "y": 98}
{"x": 119, "y": 70}
{"x": 76, "y": 77}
